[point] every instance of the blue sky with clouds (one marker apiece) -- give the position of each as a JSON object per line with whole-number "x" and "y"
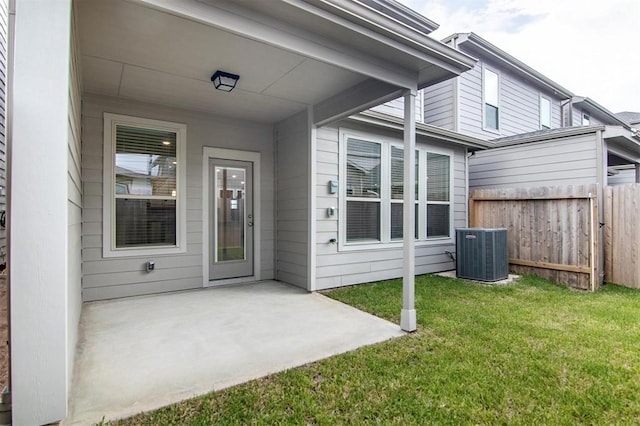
{"x": 591, "y": 48}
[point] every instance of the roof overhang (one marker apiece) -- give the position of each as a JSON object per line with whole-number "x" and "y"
{"x": 621, "y": 142}
{"x": 332, "y": 57}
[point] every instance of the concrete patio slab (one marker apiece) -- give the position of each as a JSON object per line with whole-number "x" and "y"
{"x": 141, "y": 353}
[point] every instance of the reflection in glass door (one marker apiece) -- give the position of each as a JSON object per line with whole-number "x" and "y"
{"x": 232, "y": 236}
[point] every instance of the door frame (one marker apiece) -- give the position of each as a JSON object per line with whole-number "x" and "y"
{"x": 229, "y": 154}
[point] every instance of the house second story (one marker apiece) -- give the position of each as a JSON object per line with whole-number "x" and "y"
{"x": 502, "y": 96}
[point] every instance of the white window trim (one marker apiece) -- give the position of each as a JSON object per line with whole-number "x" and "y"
{"x": 540, "y": 125}
{"x": 385, "y": 201}
{"x": 482, "y": 89}
{"x": 108, "y": 205}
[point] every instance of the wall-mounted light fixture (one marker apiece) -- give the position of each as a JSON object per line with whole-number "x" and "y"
{"x": 224, "y": 81}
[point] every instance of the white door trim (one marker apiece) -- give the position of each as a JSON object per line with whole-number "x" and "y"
{"x": 230, "y": 154}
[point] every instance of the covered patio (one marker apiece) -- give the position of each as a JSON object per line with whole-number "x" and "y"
{"x": 141, "y": 353}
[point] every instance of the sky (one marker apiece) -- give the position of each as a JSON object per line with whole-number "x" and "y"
{"x": 591, "y": 48}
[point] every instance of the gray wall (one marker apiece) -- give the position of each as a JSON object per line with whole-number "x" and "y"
{"x": 519, "y": 104}
{"x": 126, "y": 276}
{"x": 336, "y": 268}
{"x": 623, "y": 177}
{"x": 440, "y": 104}
{"x": 568, "y": 161}
{"x": 292, "y": 201}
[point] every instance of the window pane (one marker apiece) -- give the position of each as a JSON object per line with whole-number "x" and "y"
{"x": 363, "y": 169}
{"x": 396, "y": 221}
{"x": 363, "y": 221}
{"x": 545, "y": 113}
{"x": 490, "y": 87}
{"x": 397, "y": 173}
{"x": 437, "y": 220}
{"x": 145, "y": 222}
{"x": 490, "y": 117}
{"x": 437, "y": 177}
{"x": 145, "y": 161}
{"x": 586, "y": 120}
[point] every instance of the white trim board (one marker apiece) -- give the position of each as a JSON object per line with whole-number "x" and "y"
{"x": 231, "y": 154}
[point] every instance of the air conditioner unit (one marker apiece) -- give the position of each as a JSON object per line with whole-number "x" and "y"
{"x": 482, "y": 254}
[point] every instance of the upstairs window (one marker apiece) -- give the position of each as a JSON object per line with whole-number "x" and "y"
{"x": 490, "y": 89}
{"x": 545, "y": 113}
{"x": 144, "y": 186}
{"x": 586, "y": 120}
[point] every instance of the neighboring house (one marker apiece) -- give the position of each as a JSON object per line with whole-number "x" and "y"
{"x": 502, "y": 96}
{"x": 114, "y": 112}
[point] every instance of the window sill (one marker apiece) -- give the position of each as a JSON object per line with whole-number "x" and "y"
{"x": 142, "y": 252}
{"x": 394, "y": 245}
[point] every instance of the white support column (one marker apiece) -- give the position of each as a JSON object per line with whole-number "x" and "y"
{"x": 38, "y": 214}
{"x": 408, "y": 314}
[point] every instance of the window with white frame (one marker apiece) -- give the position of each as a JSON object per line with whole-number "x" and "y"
{"x": 545, "y": 113}
{"x": 144, "y": 186}
{"x": 490, "y": 95}
{"x": 373, "y": 191}
{"x": 586, "y": 120}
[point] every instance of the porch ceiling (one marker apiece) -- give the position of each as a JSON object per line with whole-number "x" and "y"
{"x": 340, "y": 57}
{"x": 135, "y": 52}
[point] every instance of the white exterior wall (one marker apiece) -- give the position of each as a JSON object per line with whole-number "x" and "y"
{"x": 519, "y": 104}
{"x": 127, "y": 276}
{"x": 292, "y": 201}
{"x": 337, "y": 268}
{"x": 567, "y": 161}
{"x": 43, "y": 217}
{"x": 4, "y": 34}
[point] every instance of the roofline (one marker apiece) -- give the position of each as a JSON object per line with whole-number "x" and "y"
{"x": 389, "y": 121}
{"x": 403, "y": 14}
{"x": 501, "y": 55}
{"x": 599, "y": 108}
{"x": 555, "y": 134}
{"x": 403, "y": 31}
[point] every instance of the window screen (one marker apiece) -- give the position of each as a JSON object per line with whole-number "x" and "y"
{"x": 363, "y": 190}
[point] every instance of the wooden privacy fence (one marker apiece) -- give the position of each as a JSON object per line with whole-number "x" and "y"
{"x": 622, "y": 235}
{"x": 552, "y": 232}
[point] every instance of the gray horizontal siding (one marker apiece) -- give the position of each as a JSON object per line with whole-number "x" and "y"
{"x": 519, "y": 101}
{"x": 396, "y": 108}
{"x": 568, "y": 161}
{"x": 440, "y": 105}
{"x": 292, "y": 202}
{"x": 105, "y": 278}
{"x": 622, "y": 178}
{"x": 336, "y": 268}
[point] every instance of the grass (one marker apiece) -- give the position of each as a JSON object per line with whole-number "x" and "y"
{"x": 531, "y": 353}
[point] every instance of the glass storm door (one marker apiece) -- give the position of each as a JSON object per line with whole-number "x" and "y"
{"x": 231, "y": 239}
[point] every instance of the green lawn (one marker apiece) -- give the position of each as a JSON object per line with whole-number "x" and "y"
{"x": 530, "y": 353}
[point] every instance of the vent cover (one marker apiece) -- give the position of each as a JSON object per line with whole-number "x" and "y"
{"x": 482, "y": 254}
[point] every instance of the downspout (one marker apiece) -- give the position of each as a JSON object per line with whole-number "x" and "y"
{"x": 311, "y": 141}
{"x": 275, "y": 203}
{"x": 408, "y": 313}
{"x": 601, "y": 161}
